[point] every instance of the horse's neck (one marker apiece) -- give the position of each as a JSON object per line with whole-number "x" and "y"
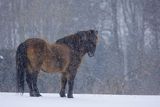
{"x": 79, "y": 52}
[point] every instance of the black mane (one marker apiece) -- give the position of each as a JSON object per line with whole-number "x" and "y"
{"x": 79, "y": 40}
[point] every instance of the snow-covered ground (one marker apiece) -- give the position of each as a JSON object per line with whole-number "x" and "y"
{"x": 80, "y": 100}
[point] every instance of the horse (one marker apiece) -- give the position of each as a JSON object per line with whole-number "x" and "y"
{"x": 64, "y": 56}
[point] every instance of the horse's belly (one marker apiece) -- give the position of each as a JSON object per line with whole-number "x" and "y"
{"x": 51, "y": 68}
{"x": 57, "y": 60}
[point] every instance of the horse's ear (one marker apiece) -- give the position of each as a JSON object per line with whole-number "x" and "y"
{"x": 91, "y": 32}
{"x": 82, "y": 35}
{"x": 96, "y": 32}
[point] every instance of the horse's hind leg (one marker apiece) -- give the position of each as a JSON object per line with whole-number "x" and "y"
{"x": 29, "y": 82}
{"x": 35, "y": 88}
{"x": 63, "y": 85}
{"x": 31, "y": 79}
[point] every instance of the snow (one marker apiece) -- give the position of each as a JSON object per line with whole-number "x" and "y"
{"x": 103, "y": 5}
{"x": 80, "y": 100}
{"x": 1, "y": 57}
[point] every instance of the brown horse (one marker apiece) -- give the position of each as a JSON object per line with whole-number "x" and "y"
{"x": 64, "y": 56}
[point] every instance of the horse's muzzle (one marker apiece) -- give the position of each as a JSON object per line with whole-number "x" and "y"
{"x": 90, "y": 54}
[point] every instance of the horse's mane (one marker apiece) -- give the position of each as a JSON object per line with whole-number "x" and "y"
{"x": 74, "y": 41}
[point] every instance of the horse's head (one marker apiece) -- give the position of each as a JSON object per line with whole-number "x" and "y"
{"x": 82, "y": 41}
{"x": 89, "y": 39}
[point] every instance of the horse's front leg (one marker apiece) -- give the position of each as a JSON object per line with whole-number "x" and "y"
{"x": 63, "y": 85}
{"x": 71, "y": 78}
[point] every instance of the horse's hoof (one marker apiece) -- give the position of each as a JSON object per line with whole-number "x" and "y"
{"x": 35, "y": 95}
{"x": 62, "y": 94}
{"x": 31, "y": 94}
{"x": 70, "y": 96}
{"x": 38, "y": 95}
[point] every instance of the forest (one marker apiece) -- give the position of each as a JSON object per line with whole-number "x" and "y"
{"x": 127, "y": 58}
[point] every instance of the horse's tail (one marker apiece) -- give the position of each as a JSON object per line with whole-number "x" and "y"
{"x": 21, "y": 66}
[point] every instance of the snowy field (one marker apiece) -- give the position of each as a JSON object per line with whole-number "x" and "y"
{"x": 80, "y": 100}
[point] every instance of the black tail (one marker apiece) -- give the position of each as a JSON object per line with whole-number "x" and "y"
{"x": 21, "y": 66}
